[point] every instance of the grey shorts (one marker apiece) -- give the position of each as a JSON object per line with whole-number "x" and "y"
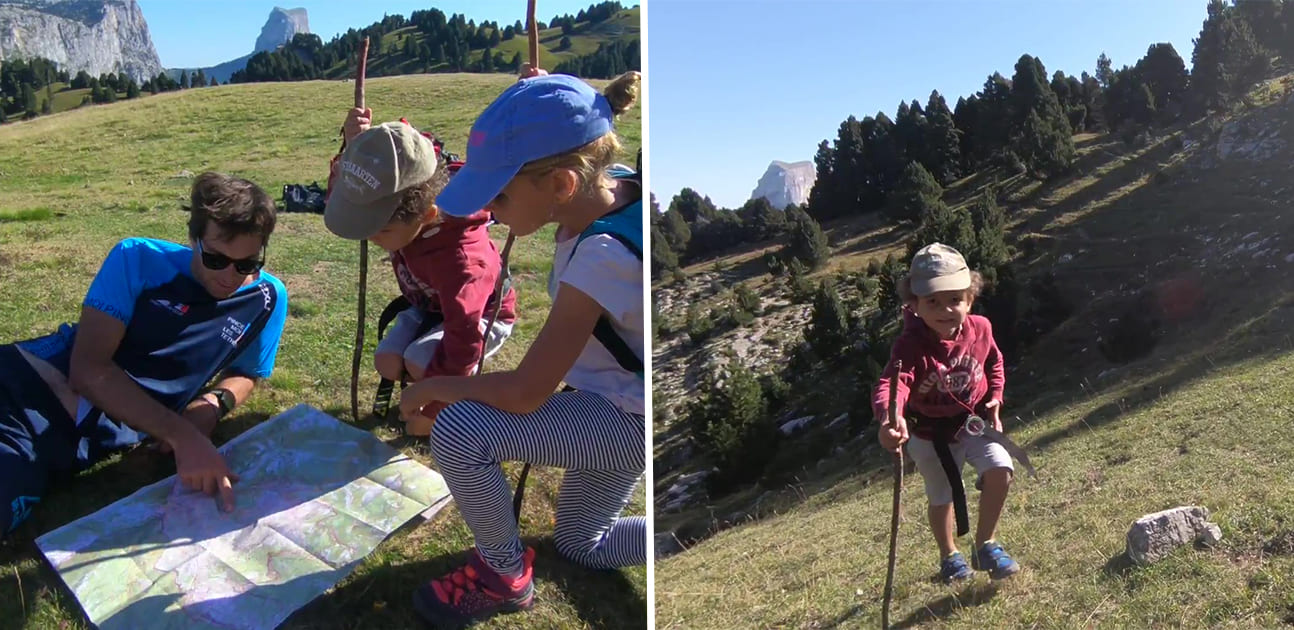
{"x": 401, "y": 338}
{"x": 984, "y": 454}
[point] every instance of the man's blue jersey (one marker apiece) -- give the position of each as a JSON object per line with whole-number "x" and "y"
{"x": 178, "y": 337}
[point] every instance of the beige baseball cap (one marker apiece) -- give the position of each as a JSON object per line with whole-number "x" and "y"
{"x": 938, "y": 267}
{"x": 375, "y": 168}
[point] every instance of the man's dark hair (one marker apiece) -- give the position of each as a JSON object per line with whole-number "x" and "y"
{"x": 237, "y": 206}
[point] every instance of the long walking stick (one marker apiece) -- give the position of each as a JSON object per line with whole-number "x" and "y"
{"x": 360, "y": 66}
{"x": 898, "y": 495}
{"x": 505, "y": 276}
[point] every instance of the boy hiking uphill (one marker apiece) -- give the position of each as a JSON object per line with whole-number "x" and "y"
{"x": 540, "y": 154}
{"x": 952, "y": 373}
{"x": 383, "y": 188}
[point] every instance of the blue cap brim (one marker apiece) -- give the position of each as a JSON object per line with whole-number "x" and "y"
{"x": 471, "y": 189}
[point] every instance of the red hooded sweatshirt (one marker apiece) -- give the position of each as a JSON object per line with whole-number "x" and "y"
{"x": 968, "y": 366}
{"x": 450, "y": 268}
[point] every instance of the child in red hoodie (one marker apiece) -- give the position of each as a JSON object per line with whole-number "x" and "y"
{"x": 383, "y": 188}
{"x": 951, "y": 370}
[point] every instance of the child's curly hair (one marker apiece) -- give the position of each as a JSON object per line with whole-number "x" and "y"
{"x": 420, "y": 199}
{"x": 591, "y": 161}
{"x": 904, "y": 288}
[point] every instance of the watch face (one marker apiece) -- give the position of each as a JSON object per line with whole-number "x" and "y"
{"x": 226, "y": 399}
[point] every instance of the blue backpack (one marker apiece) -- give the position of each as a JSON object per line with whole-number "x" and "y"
{"x": 625, "y": 225}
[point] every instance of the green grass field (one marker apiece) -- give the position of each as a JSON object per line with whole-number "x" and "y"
{"x": 74, "y": 183}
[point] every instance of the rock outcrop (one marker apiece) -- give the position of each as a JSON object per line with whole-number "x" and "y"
{"x": 97, "y": 36}
{"x": 281, "y": 27}
{"x": 784, "y": 184}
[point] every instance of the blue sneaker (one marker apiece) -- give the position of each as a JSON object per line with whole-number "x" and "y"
{"x": 954, "y": 568}
{"x": 993, "y": 558}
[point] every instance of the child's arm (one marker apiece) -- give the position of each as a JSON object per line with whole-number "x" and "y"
{"x": 903, "y": 351}
{"x": 994, "y": 367}
{"x": 568, "y": 328}
{"x": 464, "y": 290}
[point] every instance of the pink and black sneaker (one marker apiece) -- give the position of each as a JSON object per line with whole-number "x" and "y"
{"x": 474, "y": 592}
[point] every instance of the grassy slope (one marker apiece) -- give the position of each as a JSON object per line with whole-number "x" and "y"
{"x": 624, "y": 25}
{"x": 87, "y": 178}
{"x": 1203, "y": 420}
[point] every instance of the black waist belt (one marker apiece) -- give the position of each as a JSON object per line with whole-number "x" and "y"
{"x": 944, "y": 431}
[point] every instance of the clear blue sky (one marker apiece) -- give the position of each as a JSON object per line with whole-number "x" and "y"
{"x": 201, "y": 33}
{"x": 735, "y": 85}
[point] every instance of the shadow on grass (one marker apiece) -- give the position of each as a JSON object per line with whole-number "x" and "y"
{"x": 1119, "y": 565}
{"x": 976, "y": 594}
{"x": 602, "y": 599}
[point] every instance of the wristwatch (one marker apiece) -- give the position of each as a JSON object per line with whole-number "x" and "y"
{"x": 224, "y": 399}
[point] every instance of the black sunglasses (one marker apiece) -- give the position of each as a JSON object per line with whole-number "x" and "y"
{"x": 216, "y": 262}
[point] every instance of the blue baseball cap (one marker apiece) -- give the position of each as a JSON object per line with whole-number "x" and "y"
{"x": 534, "y": 118}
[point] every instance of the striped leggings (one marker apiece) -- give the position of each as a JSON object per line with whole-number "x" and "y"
{"x": 601, "y": 448}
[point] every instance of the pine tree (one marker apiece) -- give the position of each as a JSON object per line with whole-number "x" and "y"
{"x": 1142, "y": 105}
{"x": 1164, "y": 73}
{"x": 184, "y": 80}
{"x": 676, "y": 231}
{"x": 729, "y": 420}
{"x": 1104, "y": 71}
{"x": 918, "y": 192}
{"x": 1264, "y": 18}
{"x": 28, "y": 98}
{"x": 822, "y": 201}
{"x": 851, "y": 181}
{"x": 966, "y": 117}
{"x": 694, "y": 208}
{"x": 805, "y": 240}
{"x": 214, "y": 82}
{"x": 132, "y": 90}
{"x": 942, "y": 224}
{"x": 1042, "y": 139}
{"x": 994, "y": 116}
{"x": 1227, "y": 57}
{"x": 565, "y": 43}
{"x": 663, "y": 257}
{"x": 989, "y": 224}
{"x": 942, "y": 144}
{"x": 47, "y": 106}
{"x": 828, "y": 332}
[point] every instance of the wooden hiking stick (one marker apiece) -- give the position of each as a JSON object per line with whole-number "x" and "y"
{"x": 360, "y": 66}
{"x": 898, "y": 494}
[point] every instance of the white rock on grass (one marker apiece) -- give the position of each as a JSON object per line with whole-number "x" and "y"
{"x": 1154, "y": 536}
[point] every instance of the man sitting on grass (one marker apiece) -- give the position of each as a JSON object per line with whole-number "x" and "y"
{"x": 159, "y": 322}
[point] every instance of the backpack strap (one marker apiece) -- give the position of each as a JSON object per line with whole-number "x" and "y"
{"x": 624, "y": 225}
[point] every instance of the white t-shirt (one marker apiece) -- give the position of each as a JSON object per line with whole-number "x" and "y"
{"x": 605, "y": 270}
